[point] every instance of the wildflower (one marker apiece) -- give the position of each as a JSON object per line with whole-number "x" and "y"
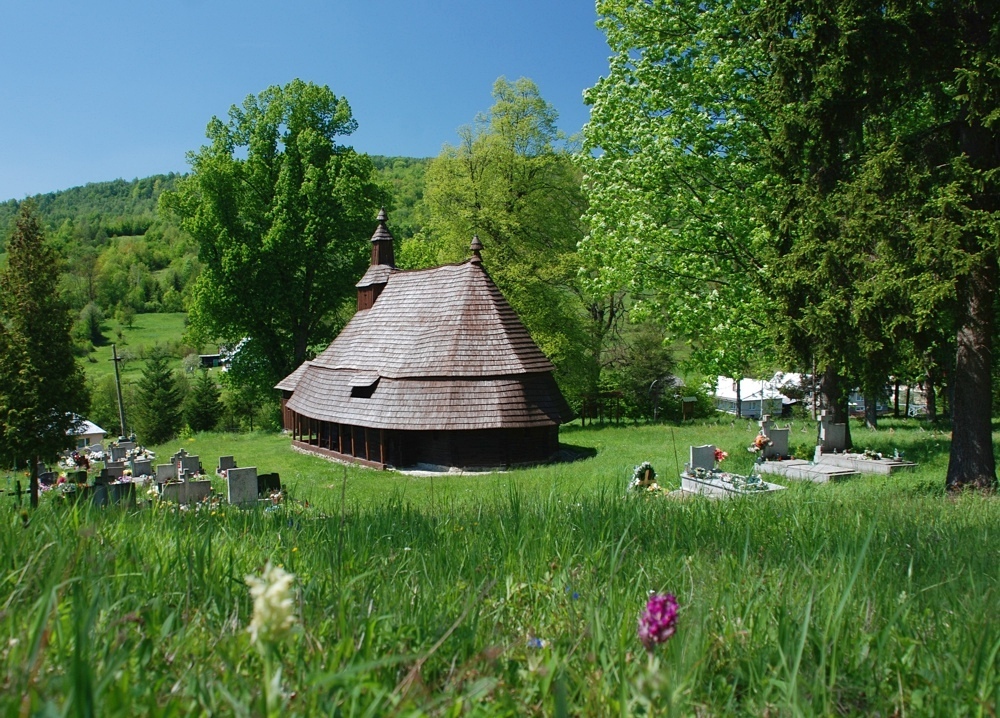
{"x": 659, "y": 621}
{"x": 534, "y": 642}
{"x": 273, "y": 606}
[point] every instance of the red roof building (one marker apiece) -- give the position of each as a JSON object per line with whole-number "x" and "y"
{"x": 434, "y": 368}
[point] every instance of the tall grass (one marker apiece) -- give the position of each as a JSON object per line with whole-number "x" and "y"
{"x": 879, "y": 596}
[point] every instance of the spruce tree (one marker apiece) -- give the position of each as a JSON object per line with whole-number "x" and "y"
{"x": 203, "y": 408}
{"x": 42, "y": 389}
{"x": 158, "y": 414}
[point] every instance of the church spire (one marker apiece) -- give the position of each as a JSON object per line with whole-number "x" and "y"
{"x": 382, "y": 243}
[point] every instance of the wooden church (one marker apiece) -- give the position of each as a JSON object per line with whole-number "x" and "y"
{"x": 434, "y": 368}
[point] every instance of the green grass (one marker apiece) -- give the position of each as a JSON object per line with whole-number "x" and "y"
{"x": 148, "y": 331}
{"x": 875, "y": 595}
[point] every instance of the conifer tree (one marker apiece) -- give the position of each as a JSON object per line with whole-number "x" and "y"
{"x": 203, "y": 408}
{"x": 158, "y": 414}
{"x": 42, "y": 389}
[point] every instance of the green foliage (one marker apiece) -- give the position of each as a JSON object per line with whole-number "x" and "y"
{"x": 88, "y": 325}
{"x": 280, "y": 232}
{"x": 159, "y": 401}
{"x": 41, "y": 387}
{"x": 512, "y": 182}
{"x": 404, "y": 179}
{"x": 202, "y": 408}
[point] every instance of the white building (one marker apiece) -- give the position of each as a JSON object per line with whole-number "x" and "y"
{"x": 86, "y": 433}
{"x": 757, "y": 396}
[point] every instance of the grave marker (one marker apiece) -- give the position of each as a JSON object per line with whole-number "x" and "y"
{"x": 703, "y": 457}
{"x": 189, "y": 463}
{"x": 242, "y": 486}
{"x": 226, "y": 463}
{"x": 165, "y": 472}
{"x": 832, "y": 437}
{"x": 142, "y": 467}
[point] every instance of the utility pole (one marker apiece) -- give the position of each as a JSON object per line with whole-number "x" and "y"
{"x": 118, "y": 383}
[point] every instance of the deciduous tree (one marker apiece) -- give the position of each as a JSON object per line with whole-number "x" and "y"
{"x": 280, "y": 211}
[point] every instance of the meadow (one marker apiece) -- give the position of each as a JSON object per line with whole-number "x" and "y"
{"x": 515, "y": 593}
{"x": 147, "y": 331}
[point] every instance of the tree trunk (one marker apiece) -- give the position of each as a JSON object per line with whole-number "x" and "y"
{"x": 739, "y": 399}
{"x": 907, "y": 401}
{"x": 930, "y": 394}
{"x": 972, "y": 463}
{"x": 33, "y": 484}
{"x": 895, "y": 399}
{"x": 835, "y": 399}
{"x": 871, "y": 411}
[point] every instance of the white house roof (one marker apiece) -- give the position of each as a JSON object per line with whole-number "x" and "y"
{"x": 755, "y": 389}
{"x": 86, "y": 428}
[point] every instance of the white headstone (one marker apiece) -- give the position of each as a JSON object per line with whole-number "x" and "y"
{"x": 703, "y": 457}
{"x": 242, "y": 485}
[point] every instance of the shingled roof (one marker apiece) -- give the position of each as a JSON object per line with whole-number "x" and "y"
{"x": 446, "y": 321}
{"x": 440, "y": 349}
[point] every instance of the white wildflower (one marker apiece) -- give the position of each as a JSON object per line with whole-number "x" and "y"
{"x": 273, "y": 605}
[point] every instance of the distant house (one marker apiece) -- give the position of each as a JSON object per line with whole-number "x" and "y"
{"x": 210, "y": 361}
{"x": 86, "y": 433}
{"x": 434, "y": 368}
{"x": 757, "y": 396}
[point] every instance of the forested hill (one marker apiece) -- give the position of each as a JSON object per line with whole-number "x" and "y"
{"x": 128, "y": 207}
{"x": 119, "y": 207}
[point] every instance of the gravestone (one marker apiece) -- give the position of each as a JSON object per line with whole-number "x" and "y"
{"x": 76, "y": 477}
{"x": 165, "y": 472}
{"x": 268, "y": 484}
{"x": 189, "y": 463}
{"x": 832, "y": 437}
{"x": 226, "y": 463}
{"x": 99, "y": 495}
{"x": 47, "y": 478}
{"x": 102, "y": 479}
{"x": 186, "y": 492}
{"x": 142, "y": 467}
{"x": 242, "y": 485}
{"x": 779, "y": 439}
{"x": 118, "y": 453}
{"x": 703, "y": 457}
{"x": 127, "y": 445}
{"x": 116, "y": 469}
{"x": 181, "y": 453}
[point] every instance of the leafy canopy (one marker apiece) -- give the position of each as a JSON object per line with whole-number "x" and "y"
{"x": 280, "y": 211}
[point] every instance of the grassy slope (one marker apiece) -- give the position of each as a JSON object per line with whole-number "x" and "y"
{"x": 876, "y": 594}
{"x": 147, "y": 331}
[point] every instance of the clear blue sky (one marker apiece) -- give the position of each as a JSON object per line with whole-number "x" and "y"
{"x": 94, "y": 90}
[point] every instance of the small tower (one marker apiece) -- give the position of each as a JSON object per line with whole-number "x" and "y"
{"x": 476, "y": 248}
{"x": 382, "y": 264}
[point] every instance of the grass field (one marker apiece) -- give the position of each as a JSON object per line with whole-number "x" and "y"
{"x": 148, "y": 330}
{"x": 516, "y": 593}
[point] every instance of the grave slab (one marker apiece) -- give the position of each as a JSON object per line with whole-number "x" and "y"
{"x": 805, "y": 470}
{"x": 862, "y": 465}
{"x": 715, "y": 485}
{"x": 165, "y": 472}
